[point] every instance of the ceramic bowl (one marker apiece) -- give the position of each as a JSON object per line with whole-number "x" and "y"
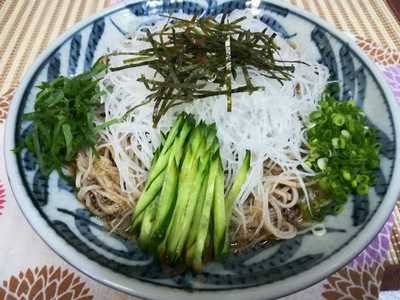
{"x": 73, "y": 233}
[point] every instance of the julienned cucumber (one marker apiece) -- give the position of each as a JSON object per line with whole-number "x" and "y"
{"x": 233, "y": 193}
{"x": 183, "y": 215}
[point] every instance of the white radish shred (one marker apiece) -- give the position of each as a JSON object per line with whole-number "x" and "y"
{"x": 270, "y": 123}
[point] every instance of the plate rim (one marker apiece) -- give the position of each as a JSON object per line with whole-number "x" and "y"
{"x": 146, "y": 289}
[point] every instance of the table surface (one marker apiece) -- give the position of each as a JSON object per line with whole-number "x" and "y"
{"x": 30, "y": 270}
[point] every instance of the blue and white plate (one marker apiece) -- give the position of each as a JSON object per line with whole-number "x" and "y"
{"x": 71, "y": 231}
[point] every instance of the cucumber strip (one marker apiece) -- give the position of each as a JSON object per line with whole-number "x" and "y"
{"x": 180, "y": 143}
{"x": 205, "y": 216}
{"x": 196, "y": 139}
{"x": 238, "y": 181}
{"x": 219, "y": 215}
{"x": 187, "y": 219}
{"x": 159, "y": 163}
{"x": 186, "y": 178}
{"x": 166, "y": 201}
{"x": 197, "y": 214}
{"x": 147, "y": 223}
{"x": 233, "y": 194}
{"x": 161, "y": 248}
{"x": 211, "y": 135}
{"x": 190, "y": 244}
{"x": 147, "y": 197}
{"x": 212, "y": 147}
{"x": 189, "y": 187}
{"x": 173, "y": 147}
{"x": 200, "y": 150}
{"x": 204, "y": 165}
{"x": 167, "y": 221}
{"x": 158, "y": 167}
{"x": 173, "y": 132}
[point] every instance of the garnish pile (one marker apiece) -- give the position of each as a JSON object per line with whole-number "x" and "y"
{"x": 344, "y": 152}
{"x": 183, "y": 210}
{"x": 63, "y": 119}
{"x": 190, "y": 54}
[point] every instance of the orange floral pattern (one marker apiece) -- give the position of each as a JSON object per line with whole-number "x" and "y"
{"x": 380, "y": 54}
{"x": 46, "y": 283}
{"x": 5, "y": 101}
{"x": 354, "y": 283}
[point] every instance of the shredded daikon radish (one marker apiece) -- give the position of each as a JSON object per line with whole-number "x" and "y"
{"x": 270, "y": 123}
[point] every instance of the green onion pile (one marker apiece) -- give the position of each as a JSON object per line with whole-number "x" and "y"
{"x": 183, "y": 215}
{"x": 343, "y": 151}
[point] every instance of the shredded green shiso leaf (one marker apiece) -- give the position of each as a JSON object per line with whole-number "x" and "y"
{"x": 63, "y": 119}
{"x": 344, "y": 152}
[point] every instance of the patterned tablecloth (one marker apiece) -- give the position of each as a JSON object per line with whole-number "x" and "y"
{"x": 30, "y": 270}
